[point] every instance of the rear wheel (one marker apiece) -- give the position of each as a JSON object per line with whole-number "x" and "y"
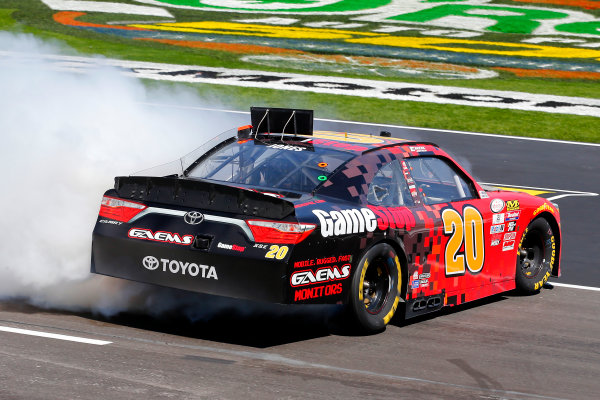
{"x": 376, "y": 288}
{"x": 536, "y": 255}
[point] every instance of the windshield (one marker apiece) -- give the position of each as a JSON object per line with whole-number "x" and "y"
{"x": 270, "y": 162}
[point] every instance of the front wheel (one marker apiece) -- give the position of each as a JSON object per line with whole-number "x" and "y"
{"x": 376, "y": 287}
{"x": 536, "y": 255}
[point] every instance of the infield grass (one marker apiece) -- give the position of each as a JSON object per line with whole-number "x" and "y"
{"x": 34, "y": 18}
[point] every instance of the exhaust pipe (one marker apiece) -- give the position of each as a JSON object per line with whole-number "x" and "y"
{"x": 434, "y": 302}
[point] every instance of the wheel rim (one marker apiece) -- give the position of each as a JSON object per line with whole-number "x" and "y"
{"x": 531, "y": 254}
{"x": 376, "y": 285}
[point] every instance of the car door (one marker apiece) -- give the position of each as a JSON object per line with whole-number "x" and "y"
{"x": 455, "y": 239}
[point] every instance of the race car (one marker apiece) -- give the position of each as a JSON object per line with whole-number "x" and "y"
{"x": 279, "y": 213}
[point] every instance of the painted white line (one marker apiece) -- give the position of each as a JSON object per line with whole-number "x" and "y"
{"x": 54, "y": 336}
{"x": 571, "y": 192}
{"x": 560, "y": 196}
{"x": 432, "y": 130}
{"x": 595, "y": 289}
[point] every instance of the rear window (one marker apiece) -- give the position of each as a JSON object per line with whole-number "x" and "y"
{"x": 270, "y": 163}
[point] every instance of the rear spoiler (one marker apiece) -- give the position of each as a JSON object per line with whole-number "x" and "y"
{"x": 204, "y": 195}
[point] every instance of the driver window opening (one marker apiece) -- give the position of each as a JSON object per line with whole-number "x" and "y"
{"x": 389, "y": 187}
{"x": 437, "y": 181}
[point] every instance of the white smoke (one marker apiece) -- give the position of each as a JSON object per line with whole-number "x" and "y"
{"x": 64, "y": 136}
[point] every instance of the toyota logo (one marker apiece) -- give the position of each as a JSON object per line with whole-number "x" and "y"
{"x": 150, "y": 263}
{"x": 193, "y": 217}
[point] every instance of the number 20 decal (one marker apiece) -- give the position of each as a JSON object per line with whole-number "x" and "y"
{"x": 467, "y": 229}
{"x": 277, "y": 252}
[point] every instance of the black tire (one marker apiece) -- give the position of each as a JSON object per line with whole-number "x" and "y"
{"x": 375, "y": 291}
{"x": 535, "y": 257}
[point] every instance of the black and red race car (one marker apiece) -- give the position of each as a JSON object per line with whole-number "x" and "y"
{"x": 276, "y": 212}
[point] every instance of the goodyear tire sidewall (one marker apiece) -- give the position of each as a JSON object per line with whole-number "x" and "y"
{"x": 376, "y": 322}
{"x": 534, "y": 284}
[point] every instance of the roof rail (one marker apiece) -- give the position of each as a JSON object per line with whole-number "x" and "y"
{"x": 399, "y": 144}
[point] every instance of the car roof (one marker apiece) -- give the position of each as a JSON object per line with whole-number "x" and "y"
{"x": 354, "y": 142}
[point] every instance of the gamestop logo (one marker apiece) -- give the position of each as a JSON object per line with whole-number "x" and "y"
{"x": 233, "y": 247}
{"x": 344, "y": 222}
{"x": 322, "y": 275}
{"x": 160, "y": 236}
{"x": 179, "y": 267}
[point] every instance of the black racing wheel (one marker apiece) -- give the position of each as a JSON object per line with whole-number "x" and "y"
{"x": 536, "y": 256}
{"x": 376, "y": 286}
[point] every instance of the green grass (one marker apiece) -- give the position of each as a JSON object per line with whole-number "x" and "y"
{"x": 428, "y": 115}
{"x": 34, "y": 18}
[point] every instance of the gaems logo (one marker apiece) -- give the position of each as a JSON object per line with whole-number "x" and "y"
{"x": 344, "y": 222}
{"x": 322, "y": 275}
{"x": 160, "y": 236}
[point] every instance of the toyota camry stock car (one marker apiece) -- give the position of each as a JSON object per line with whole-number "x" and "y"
{"x": 276, "y": 212}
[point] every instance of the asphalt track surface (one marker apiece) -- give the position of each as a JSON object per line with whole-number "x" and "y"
{"x": 545, "y": 346}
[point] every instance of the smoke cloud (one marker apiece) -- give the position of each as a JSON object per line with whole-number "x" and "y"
{"x": 64, "y": 137}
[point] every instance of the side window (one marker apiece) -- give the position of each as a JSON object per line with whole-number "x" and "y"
{"x": 438, "y": 181}
{"x": 389, "y": 187}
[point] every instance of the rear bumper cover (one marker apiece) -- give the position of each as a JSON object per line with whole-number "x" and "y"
{"x": 182, "y": 268}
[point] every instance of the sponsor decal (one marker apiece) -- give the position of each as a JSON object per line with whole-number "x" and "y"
{"x": 510, "y": 236}
{"x": 543, "y": 207}
{"x": 483, "y": 194}
{"x": 496, "y": 205}
{"x": 322, "y": 261}
{"x": 497, "y": 229}
{"x": 304, "y": 264}
{"x": 233, "y": 247}
{"x": 316, "y": 292}
{"x": 286, "y": 147}
{"x": 160, "y": 236}
{"x": 180, "y": 267}
{"x": 424, "y": 282}
{"x": 150, "y": 263}
{"x": 193, "y": 217}
{"x": 322, "y": 275}
{"x": 495, "y": 242}
{"x": 345, "y": 222}
{"x": 509, "y": 245}
{"x": 417, "y": 148}
{"x": 109, "y": 221}
{"x": 498, "y": 218}
{"x": 512, "y": 205}
{"x": 425, "y": 275}
{"x": 261, "y": 246}
{"x": 553, "y": 251}
{"x": 277, "y": 252}
{"x": 415, "y": 284}
{"x": 511, "y": 226}
{"x": 394, "y": 217}
{"x": 513, "y": 215}
{"x": 309, "y": 203}
{"x": 497, "y": 236}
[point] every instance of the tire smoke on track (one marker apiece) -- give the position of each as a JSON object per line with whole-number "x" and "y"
{"x": 64, "y": 137}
